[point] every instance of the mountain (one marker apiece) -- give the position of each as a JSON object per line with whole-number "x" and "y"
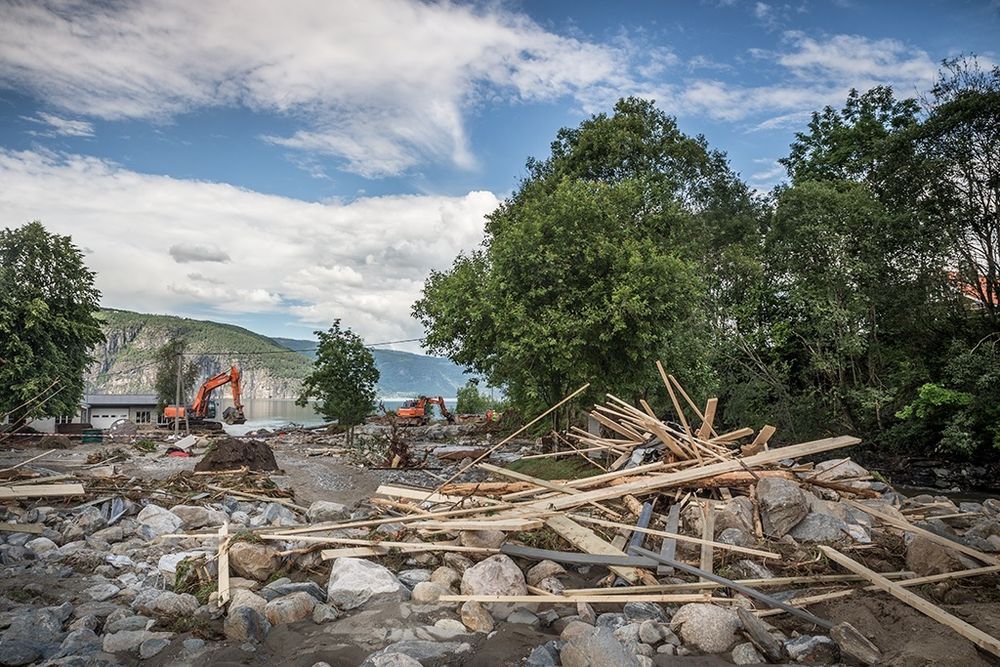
{"x": 272, "y": 368}
{"x": 402, "y": 373}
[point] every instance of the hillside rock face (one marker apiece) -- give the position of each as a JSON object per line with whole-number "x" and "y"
{"x": 132, "y": 340}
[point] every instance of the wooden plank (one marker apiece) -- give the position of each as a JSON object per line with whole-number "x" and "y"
{"x": 589, "y": 542}
{"x": 680, "y": 477}
{"x": 422, "y": 495}
{"x": 677, "y": 536}
{"x": 759, "y": 443}
{"x": 706, "y": 431}
{"x": 970, "y": 632}
{"x": 757, "y": 583}
{"x": 562, "y": 599}
{"x": 40, "y": 491}
{"x": 708, "y": 536}
{"x": 506, "y": 525}
{"x": 27, "y": 461}
{"x": 32, "y": 528}
{"x": 732, "y": 435}
{"x": 497, "y": 470}
{"x": 223, "y": 563}
{"x": 677, "y": 407}
{"x": 902, "y": 524}
{"x": 669, "y": 547}
{"x": 616, "y": 427}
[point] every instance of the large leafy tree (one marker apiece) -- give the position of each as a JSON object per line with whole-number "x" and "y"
{"x": 168, "y": 358}
{"x": 595, "y": 265}
{"x": 343, "y": 378}
{"x": 48, "y": 326}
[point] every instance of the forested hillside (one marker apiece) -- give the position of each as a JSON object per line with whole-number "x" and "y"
{"x": 272, "y": 368}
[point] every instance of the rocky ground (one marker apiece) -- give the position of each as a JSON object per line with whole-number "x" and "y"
{"x": 105, "y": 581}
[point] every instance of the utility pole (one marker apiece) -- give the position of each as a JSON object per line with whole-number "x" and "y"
{"x": 177, "y": 398}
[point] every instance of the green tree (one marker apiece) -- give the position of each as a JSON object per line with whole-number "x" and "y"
{"x": 596, "y": 265}
{"x": 343, "y": 378}
{"x": 48, "y": 326}
{"x": 167, "y": 359}
{"x": 472, "y": 402}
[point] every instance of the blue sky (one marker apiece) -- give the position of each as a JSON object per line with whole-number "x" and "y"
{"x": 277, "y": 165}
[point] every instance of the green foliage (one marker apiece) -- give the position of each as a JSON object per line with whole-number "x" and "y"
{"x": 343, "y": 378}
{"x": 597, "y": 265}
{"x": 168, "y": 358}
{"x": 554, "y": 468}
{"x": 932, "y": 399}
{"x": 471, "y": 402}
{"x": 47, "y": 324}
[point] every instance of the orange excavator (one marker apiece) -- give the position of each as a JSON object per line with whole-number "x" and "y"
{"x": 202, "y": 408}
{"x": 415, "y": 413}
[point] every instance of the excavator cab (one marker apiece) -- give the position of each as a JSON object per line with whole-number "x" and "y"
{"x": 203, "y": 408}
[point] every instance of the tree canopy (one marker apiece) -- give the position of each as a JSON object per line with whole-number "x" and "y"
{"x": 343, "y": 378}
{"x": 48, "y": 326}
{"x": 168, "y": 357}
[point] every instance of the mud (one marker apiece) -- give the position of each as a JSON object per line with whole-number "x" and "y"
{"x": 233, "y": 454}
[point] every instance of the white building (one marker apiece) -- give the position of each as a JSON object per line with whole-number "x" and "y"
{"x": 101, "y": 411}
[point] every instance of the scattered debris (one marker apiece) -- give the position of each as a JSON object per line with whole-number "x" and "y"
{"x": 233, "y": 454}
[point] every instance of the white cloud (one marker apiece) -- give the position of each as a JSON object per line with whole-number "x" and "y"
{"x": 381, "y": 84}
{"x": 197, "y": 252}
{"x": 363, "y": 261}
{"x": 63, "y": 127}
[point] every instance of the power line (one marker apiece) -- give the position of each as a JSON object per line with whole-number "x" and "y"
{"x": 254, "y": 353}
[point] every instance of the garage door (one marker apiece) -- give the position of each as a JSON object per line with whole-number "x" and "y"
{"x": 104, "y": 418}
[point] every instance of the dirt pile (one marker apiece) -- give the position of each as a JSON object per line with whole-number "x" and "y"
{"x": 233, "y": 454}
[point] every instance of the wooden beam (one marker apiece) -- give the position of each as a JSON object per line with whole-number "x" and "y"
{"x": 32, "y": 528}
{"x": 902, "y": 524}
{"x": 562, "y": 599}
{"x": 589, "y": 542}
{"x": 708, "y": 537}
{"x": 676, "y": 536}
{"x": 223, "y": 563}
{"x": 758, "y": 583}
{"x": 681, "y": 477}
{"x": 970, "y": 632}
{"x": 506, "y": 525}
{"x": 27, "y": 461}
{"x": 40, "y": 491}
{"x": 706, "y": 431}
{"x": 759, "y": 443}
{"x": 669, "y": 547}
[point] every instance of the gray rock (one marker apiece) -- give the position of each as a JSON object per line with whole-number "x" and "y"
{"x": 813, "y": 650}
{"x": 837, "y": 469}
{"x": 736, "y": 537}
{"x": 324, "y": 613}
{"x": 611, "y": 620}
{"x": 290, "y": 608}
{"x": 411, "y": 578}
{"x": 390, "y": 660}
{"x": 524, "y": 617}
{"x": 476, "y": 618}
{"x": 576, "y": 629}
{"x": 497, "y": 575}
{"x": 242, "y": 597}
{"x": 708, "y": 628}
{"x": 427, "y": 592}
{"x": 544, "y": 570}
{"x": 151, "y": 647}
{"x": 253, "y": 561}
{"x": 193, "y": 645}
{"x": 128, "y": 623}
{"x": 323, "y": 510}
{"x": 654, "y": 632}
{"x": 275, "y": 514}
{"x": 854, "y": 644}
{"x": 18, "y": 652}
{"x": 421, "y": 651}
{"x": 750, "y": 569}
{"x": 926, "y": 557}
{"x": 168, "y": 603}
{"x": 129, "y": 640}
{"x": 746, "y": 654}
{"x": 782, "y": 505}
{"x": 354, "y": 582}
{"x": 81, "y": 642}
{"x": 157, "y": 521}
{"x": 193, "y": 516}
{"x": 644, "y": 611}
{"x": 103, "y": 591}
{"x": 446, "y": 576}
{"x": 36, "y": 633}
{"x": 482, "y": 539}
{"x": 246, "y": 624}
{"x": 817, "y": 527}
{"x": 277, "y": 590}
{"x": 599, "y": 649}
{"x": 40, "y": 545}
{"x": 545, "y": 655}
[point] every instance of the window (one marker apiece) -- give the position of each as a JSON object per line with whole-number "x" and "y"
{"x": 65, "y": 419}
{"x": 143, "y": 417}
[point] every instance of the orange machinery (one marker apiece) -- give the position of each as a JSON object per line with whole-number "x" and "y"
{"x": 201, "y": 408}
{"x": 415, "y": 413}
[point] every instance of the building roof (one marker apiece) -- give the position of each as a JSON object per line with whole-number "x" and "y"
{"x": 119, "y": 399}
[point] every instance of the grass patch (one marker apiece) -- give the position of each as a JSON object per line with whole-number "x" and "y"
{"x": 554, "y": 468}
{"x": 144, "y": 446}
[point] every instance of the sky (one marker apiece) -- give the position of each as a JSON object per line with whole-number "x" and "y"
{"x": 278, "y": 165}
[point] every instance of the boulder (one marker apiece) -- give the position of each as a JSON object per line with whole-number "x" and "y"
{"x": 813, "y": 650}
{"x": 324, "y": 613}
{"x": 446, "y": 576}
{"x": 746, "y": 654}
{"x": 78, "y": 643}
{"x": 817, "y": 527}
{"x": 242, "y": 597}
{"x": 246, "y": 624}
{"x": 597, "y": 649}
{"x": 155, "y": 521}
{"x": 476, "y": 618}
{"x": 837, "y": 469}
{"x": 544, "y": 570}
{"x": 324, "y": 510}
{"x": 644, "y": 611}
{"x": 427, "y": 592}
{"x": 926, "y": 557}
{"x": 576, "y": 628}
{"x": 390, "y": 660}
{"x": 168, "y": 603}
{"x": 102, "y": 591}
{"x": 545, "y": 655}
{"x": 354, "y": 582}
{"x": 289, "y": 608}
{"x": 654, "y": 632}
{"x": 782, "y": 505}
{"x": 497, "y": 575}
{"x": 708, "y": 628}
{"x": 736, "y": 513}
{"x": 411, "y": 578}
{"x": 41, "y": 545}
{"x": 129, "y": 640}
{"x": 422, "y": 651}
{"x": 284, "y": 587}
{"x": 482, "y": 539}
{"x": 151, "y": 647}
{"x": 736, "y": 537}
{"x": 253, "y": 561}
{"x": 193, "y": 516}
